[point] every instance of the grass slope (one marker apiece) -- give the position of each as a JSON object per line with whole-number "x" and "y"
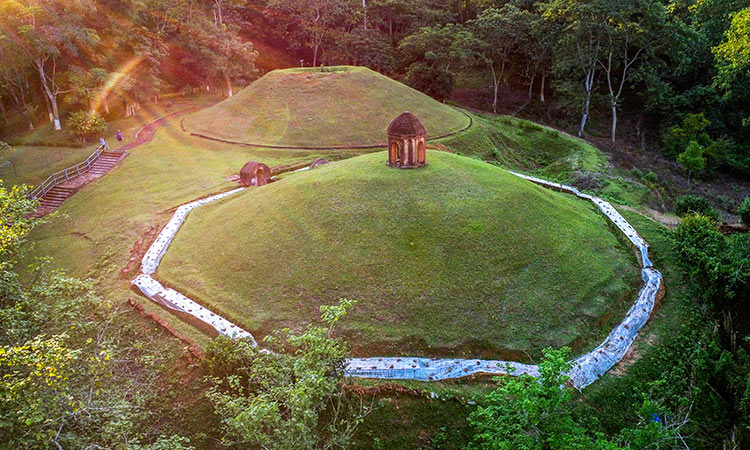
{"x": 34, "y": 164}
{"x": 523, "y": 145}
{"x": 94, "y": 232}
{"x": 458, "y": 258}
{"x": 336, "y": 106}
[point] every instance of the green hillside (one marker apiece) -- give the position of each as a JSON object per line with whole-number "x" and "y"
{"x": 458, "y": 258}
{"x": 336, "y": 106}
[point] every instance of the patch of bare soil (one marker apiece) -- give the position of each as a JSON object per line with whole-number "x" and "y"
{"x": 667, "y": 220}
{"x": 139, "y": 249}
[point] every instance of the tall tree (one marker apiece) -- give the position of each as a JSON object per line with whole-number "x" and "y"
{"x": 430, "y": 54}
{"x": 54, "y": 33}
{"x": 633, "y": 27}
{"x": 578, "y": 51}
{"x": 316, "y": 20}
{"x": 499, "y": 33}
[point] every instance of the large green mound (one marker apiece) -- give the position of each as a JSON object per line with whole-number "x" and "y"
{"x": 336, "y": 106}
{"x": 457, "y": 258}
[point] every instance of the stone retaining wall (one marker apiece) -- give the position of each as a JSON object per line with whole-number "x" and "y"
{"x": 585, "y": 369}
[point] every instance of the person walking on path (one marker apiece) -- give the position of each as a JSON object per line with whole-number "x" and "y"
{"x": 119, "y": 135}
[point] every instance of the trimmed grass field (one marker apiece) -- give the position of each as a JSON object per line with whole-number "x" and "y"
{"x": 34, "y": 164}
{"x": 97, "y": 232}
{"x": 525, "y": 145}
{"x": 548, "y": 153}
{"x": 459, "y": 258}
{"x": 335, "y": 106}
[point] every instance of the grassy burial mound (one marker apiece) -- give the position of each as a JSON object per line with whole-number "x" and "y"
{"x": 335, "y": 106}
{"x": 459, "y": 258}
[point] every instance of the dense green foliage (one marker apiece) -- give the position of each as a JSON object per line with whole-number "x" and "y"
{"x": 744, "y": 211}
{"x": 538, "y": 413}
{"x": 66, "y": 380}
{"x": 692, "y": 158}
{"x": 84, "y": 124}
{"x": 291, "y": 398}
{"x": 685, "y": 205}
{"x": 718, "y": 266}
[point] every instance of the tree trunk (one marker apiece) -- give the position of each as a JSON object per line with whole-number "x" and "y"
{"x": 364, "y": 12}
{"x": 495, "y": 85}
{"x": 541, "y": 88}
{"x": 531, "y": 86}
{"x": 614, "y": 120}
{"x": 2, "y": 110}
{"x": 315, "y": 55}
{"x": 229, "y": 86}
{"x": 589, "y": 84}
{"x": 52, "y": 98}
{"x": 55, "y": 113}
{"x": 49, "y": 108}
{"x": 106, "y": 104}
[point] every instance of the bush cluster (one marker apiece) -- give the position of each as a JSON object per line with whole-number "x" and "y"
{"x": 686, "y": 205}
{"x": 744, "y": 211}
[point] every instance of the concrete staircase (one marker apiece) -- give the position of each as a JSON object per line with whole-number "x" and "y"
{"x": 105, "y": 163}
{"x": 55, "y": 197}
{"x": 58, "y": 194}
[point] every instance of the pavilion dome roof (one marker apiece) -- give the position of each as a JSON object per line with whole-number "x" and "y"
{"x": 406, "y": 124}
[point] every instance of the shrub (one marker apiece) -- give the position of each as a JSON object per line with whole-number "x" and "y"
{"x": 433, "y": 81}
{"x": 84, "y": 124}
{"x": 692, "y": 158}
{"x": 686, "y": 205}
{"x": 693, "y": 128}
{"x": 636, "y": 173}
{"x": 651, "y": 177}
{"x": 718, "y": 266}
{"x": 744, "y": 211}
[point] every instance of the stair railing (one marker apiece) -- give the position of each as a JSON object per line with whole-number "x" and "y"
{"x": 68, "y": 174}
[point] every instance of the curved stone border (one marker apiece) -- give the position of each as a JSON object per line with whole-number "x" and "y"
{"x": 585, "y": 369}
{"x": 335, "y": 147}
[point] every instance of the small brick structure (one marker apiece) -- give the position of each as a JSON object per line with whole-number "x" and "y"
{"x": 255, "y": 173}
{"x": 407, "y": 142}
{"x": 318, "y": 162}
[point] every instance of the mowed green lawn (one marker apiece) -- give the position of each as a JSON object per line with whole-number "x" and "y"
{"x": 95, "y": 230}
{"x": 34, "y": 164}
{"x": 526, "y": 145}
{"x": 338, "y": 106}
{"x": 456, "y": 259}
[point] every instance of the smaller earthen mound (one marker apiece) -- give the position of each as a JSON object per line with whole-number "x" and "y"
{"x": 318, "y": 162}
{"x": 255, "y": 174}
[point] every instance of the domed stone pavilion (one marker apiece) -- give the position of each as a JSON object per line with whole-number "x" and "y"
{"x": 255, "y": 174}
{"x": 407, "y": 140}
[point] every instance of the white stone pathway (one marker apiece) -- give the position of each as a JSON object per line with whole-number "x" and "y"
{"x": 586, "y": 368}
